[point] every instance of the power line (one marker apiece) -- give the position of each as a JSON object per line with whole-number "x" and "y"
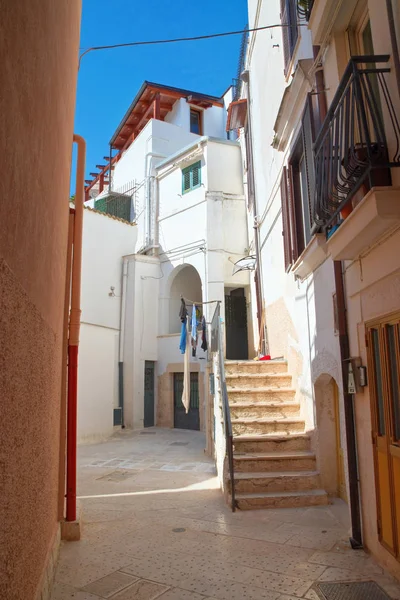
{"x": 184, "y": 39}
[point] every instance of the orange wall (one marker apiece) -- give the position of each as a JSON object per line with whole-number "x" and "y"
{"x": 39, "y": 42}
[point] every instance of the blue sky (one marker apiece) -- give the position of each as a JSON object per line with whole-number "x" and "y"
{"x": 109, "y": 79}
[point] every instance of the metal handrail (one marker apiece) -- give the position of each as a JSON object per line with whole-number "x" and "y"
{"x": 218, "y": 345}
{"x": 351, "y": 149}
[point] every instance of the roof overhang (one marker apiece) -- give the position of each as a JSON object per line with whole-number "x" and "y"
{"x": 155, "y": 101}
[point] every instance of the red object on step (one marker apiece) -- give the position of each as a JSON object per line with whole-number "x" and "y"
{"x": 267, "y": 357}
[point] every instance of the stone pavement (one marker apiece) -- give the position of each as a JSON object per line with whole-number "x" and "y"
{"x": 156, "y": 526}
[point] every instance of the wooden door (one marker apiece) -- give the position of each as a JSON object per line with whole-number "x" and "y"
{"x": 384, "y": 360}
{"x": 182, "y": 419}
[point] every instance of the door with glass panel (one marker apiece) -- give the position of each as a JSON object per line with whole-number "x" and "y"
{"x": 383, "y": 346}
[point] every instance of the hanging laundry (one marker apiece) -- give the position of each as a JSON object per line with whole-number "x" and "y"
{"x": 182, "y": 345}
{"x": 194, "y": 331}
{"x": 204, "y": 344}
{"x": 186, "y": 372}
{"x": 183, "y": 311}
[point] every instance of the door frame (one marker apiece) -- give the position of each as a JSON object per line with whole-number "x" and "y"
{"x": 387, "y": 443}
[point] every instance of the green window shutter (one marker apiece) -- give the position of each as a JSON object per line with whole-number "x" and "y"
{"x": 191, "y": 177}
{"x": 186, "y": 180}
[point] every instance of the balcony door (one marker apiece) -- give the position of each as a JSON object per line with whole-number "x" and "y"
{"x": 383, "y": 346}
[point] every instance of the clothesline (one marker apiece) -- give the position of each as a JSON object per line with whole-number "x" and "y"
{"x": 200, "y": 303}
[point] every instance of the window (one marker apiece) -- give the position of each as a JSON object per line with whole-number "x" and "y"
{"x": 195, "y": 122}
{"x": 191, "y": 177}
{"x": 290, "y": 31}
{"x": 297, "y": 191}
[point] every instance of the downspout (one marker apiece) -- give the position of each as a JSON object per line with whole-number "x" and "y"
{"x": 260, "y": 292}
{"x": 149, "y": 243}
{"x": 121, "y": 340}
{"x": 393, "y": 39}
{"x": 63, "y": 403}
{"x": 74, "y": 327}
{"x": 352, "y": 463}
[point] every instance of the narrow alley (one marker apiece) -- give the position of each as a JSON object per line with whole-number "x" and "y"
{"x": 156, "y": 526}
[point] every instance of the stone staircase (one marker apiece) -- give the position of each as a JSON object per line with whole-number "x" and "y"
{"x": 273, "y": 462}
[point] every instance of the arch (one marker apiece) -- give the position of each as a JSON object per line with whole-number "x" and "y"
{"x": 184, "y": 281}
{"x": 329, "y": 448}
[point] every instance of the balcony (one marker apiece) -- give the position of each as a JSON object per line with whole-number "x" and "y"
{"x": 304, "y": 8}
{"x": 358, "y": 144}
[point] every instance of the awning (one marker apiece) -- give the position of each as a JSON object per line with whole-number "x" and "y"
{"x": 237, "y": 114}
{"x": 248, "y": 263}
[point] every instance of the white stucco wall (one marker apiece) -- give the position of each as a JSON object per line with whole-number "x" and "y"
{"x": 299, "y": 315}
{"x": 214, "y": 118}
{"x": 105, "y": 241}
{"x": 141, "y": 329}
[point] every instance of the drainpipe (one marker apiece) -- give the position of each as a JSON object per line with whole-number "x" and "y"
{"x": 74, "y": 326}
{"x": 63, "y": 403}
{"x": 121, "y": 340}
{"x": 393, "y": 39}
{"x": 351, "y": 443}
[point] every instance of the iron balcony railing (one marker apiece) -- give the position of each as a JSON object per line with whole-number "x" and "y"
{"x": 351, "y": 151}
{"x": 304, "y": 8}
{"x": 217, "y": 345}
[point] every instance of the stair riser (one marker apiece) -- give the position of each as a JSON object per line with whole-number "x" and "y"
{"x": 281, "y": 502}
{"x": 267, "y": 428}
{"x": 275, "y": 396}
{"x": 275, "y": 412}
{"x": 283, "y": 445}
{"x": 277, "y": 484}
{"x": 262, "y": 465}
{"x": 247, "y": 381}
{"x": 256, "y": 367}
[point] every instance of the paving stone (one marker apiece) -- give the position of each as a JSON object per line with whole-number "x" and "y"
{"x": 142, "y": 590}
{"x": 129, "y": 549}
{"x": 111, "y": 584}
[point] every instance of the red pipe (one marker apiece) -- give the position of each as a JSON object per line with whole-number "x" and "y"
{"x": 74, "y": 326}
{"x": 72, "y": 431}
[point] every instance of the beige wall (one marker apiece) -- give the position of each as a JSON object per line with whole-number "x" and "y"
{"x": 372, "y": 285}
{"x": 38, "y": 47}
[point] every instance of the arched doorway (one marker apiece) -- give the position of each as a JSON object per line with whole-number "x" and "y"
{"x": 185, "y": 282}
{"x": 329, "y": 447}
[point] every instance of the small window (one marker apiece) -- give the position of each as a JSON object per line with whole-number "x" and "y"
{"x": 191, "y": 177}
{"x": 195, "y": 122}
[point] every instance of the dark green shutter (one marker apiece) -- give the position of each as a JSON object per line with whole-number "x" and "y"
{"x": 191, "y": 177}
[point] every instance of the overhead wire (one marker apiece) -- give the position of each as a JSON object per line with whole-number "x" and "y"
{"x": 184, "y": 39}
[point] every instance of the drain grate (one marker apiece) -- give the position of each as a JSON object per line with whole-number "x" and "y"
{"x": 147, "y": 432}
{"x": 179, "y": 443}
{"x": 352, "y": 590}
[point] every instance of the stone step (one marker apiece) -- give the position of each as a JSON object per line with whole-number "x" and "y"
{"x": 280, "y": 481}
{"x": 281, "y": 500}
{"x": 267, "y": 426}
{"x": 255, "y": 366}
{"x": 279, "y": 410}
{"x": 254, "y": 462}
{"x": 271, "y": 443}
{"x": 264, "y": 394}
{"x": 258, "y": 380}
